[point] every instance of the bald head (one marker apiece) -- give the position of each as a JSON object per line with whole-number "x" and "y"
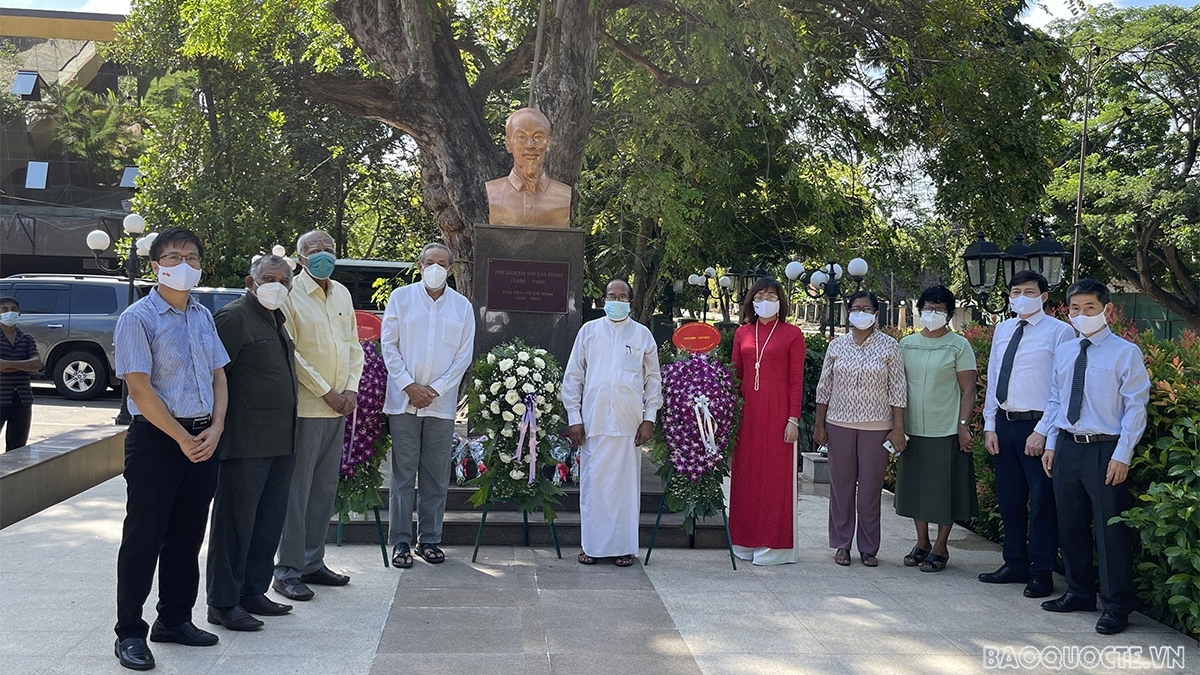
{"x": 315, "y": 240}
{"x": 525, "y": 117}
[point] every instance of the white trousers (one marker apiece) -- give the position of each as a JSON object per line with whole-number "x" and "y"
{"x": 610, "y": 475}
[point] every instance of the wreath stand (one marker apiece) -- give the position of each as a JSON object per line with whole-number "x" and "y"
{"x": 487, "y": 502}
{"x": 378, "y": 531}
{"x": 662, "y": 506}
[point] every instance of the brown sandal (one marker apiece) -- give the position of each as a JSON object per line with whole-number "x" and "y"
{"x": 842, "y": 557}
{"x": 585, "y": 559}
{"x": 868, "y": 560}
{"x": 623, "y": 561}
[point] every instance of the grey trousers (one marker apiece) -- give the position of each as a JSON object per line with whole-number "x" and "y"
{"x": 310, "y": 502}
{"x": 247, "y": 518}
{"x": 420, "y": 454}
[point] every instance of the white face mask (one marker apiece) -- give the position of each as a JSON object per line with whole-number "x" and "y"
{"x": 9, "y": 318}
{"x": 933, "y": 320}
{"x": 181, "y": 277}
{"x": 862, "y": 320}
{"x": 1089, "y": 324}
{"x": 272, "y": 295}
{"x": 434, "y": 276}
{"x": 1024, "y": 305}
{"x": 766, "y": 309}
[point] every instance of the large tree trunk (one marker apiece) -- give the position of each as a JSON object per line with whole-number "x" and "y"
{"x": 427, "y": 96}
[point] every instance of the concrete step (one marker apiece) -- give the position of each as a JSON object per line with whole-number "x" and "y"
{"x": 458, "y": 499}
{"x": 504, "y": 528}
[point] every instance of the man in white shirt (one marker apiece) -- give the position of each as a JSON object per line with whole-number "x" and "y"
{"x": 427, "y": 339}
{"x": 1019, "y": 373}
{"x": 1095, "y": 416}
{"x": 612, "y": 391}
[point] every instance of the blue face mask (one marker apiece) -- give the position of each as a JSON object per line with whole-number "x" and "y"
{"x": 616, "y": 310}
{"x": 321, "y": 264}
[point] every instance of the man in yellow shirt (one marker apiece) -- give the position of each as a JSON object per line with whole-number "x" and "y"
{"x": 319, "y": 314}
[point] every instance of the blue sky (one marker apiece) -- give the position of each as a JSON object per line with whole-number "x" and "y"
{"x": 1042, "y": 12}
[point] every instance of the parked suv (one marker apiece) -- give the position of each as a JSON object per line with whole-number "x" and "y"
{"x": 72, "y": 319}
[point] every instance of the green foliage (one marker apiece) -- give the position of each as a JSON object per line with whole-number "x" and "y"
{"x": 103, "y": 130}
{"x": 815, "y": 346}
{"x": 1141, "y": 194}
{"x": 360, "y": 492}
{"x": 1165, "y": 477}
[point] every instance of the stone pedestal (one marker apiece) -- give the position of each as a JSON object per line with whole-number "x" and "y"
{"x": 528, "y": 284}
{"x": 816, "y": 467}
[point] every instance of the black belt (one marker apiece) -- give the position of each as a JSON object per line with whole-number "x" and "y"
{"x": 188, "y": 423}
{"x": 1085, "y": 439}
{"x": 1022, "y": 416}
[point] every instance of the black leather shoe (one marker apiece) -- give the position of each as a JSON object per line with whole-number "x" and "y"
{"x": 233, "y": 618}
{"x": 1039, "y": 586}
{"x": 134, "y": 653}
{"x": 1070, "y": 603}
{"x": 183, "y": 634}
{"x": 1111, "y": 623}
{"x": 325, "y": 577}
{"x": 292, "y": 589}
{"x": 263, "y": 606}
{"x": 1007, "y": 574}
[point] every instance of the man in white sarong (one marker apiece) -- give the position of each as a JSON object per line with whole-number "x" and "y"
{"x": 612, "y": 392}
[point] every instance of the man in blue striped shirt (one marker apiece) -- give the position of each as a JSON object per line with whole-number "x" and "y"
{"x": 172, "y": 360}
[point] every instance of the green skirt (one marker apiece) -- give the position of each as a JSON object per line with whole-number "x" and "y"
{"x": 935, "y": 481}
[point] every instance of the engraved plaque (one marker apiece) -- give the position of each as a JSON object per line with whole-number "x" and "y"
{"x": 536, "y": 286}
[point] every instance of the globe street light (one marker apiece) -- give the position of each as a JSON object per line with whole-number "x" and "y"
{"x": 98, "y": 241}
{"x": 826, "y": 282}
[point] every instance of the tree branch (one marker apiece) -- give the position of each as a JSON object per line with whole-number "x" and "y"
{"x": 517, "y": 62}
{"x": 660, "y": 76}
{"x": 377, "y": 99}
{"x": 660, "y": 7}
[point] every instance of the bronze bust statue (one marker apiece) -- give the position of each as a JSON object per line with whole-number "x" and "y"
{"x": 527, "y": 196}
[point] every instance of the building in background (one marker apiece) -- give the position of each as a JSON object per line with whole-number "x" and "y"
{"x": 64, "y": 170}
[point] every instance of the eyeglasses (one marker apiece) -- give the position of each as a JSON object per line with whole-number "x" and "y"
{"x": 173, "y": 259}
{"x": 862, "y": 310}
{"x": 617, "y": 298}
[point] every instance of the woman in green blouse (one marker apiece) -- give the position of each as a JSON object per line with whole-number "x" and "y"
{"x": 935, "y": 474}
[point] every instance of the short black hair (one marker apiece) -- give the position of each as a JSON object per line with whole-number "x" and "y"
{"x": 10, "y": 300}
{"x": 1089, "y": 287}
{"x": 1026, "y": 276}
{"x": 622, "y": 280}
{"x": 864, "y": 294}
{"x": 175, "y": 236}
{"x": 937, "y": 294}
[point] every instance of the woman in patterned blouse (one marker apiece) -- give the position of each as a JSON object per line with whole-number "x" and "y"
{"x": 860, "y": 406}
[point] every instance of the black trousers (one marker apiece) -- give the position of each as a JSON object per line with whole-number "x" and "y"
{"x": 1026, "y": 497}
{"x": 1082, "y": 497}
{"x": 16, "y": 417}
{"x": 166, "y": 510}
{"x": 247, "y": 519}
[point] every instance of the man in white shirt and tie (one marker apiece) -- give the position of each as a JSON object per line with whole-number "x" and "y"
{"x": 1094, "y": 418}
{"x": 1019, "y": 374}
{"x": 427, "y": 340}
{"x": 612, "y": 391}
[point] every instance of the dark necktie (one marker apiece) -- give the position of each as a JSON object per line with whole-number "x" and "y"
{"x": 1077, "y": 382}
{"x": 1006, "y": 365}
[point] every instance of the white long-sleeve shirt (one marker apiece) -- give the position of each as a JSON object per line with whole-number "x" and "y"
{"x": 611, "y": 383}
{"x": 1116, "y": 389}
{"x": 1033, "y": 365}
{"x": 428, "y": 342}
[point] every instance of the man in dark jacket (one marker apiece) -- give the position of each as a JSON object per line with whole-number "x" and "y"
{"x": 256, "y": 452}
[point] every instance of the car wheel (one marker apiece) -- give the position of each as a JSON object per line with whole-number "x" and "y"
{"x": 80, "y": 376}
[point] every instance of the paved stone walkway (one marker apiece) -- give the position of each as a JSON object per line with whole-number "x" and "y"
{"x": 524, "y": 611}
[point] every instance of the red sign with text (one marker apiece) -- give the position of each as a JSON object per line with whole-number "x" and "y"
{"x": 696, "y": 337}
{"x": 370, "y": 327}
